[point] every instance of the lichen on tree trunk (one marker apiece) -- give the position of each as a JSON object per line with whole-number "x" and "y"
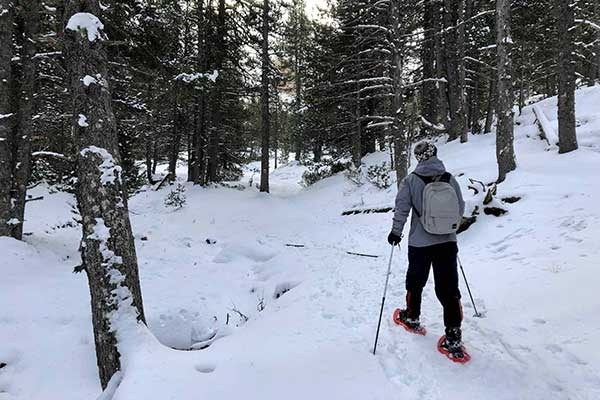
{"x": 107, "y": 247}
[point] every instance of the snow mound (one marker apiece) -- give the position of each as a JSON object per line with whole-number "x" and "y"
{"x": 88, "y": 22}
{"x": 235, "y": 251}
{"x": 587, "y": 115}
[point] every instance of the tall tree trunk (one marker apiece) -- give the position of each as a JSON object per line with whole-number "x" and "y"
{"x": 567, "y": 138}
{"x": 358, "y": 134}
{"x": 27, "y": 33}
{"x": 429, "y": 93}
{"x": 522, "y": 81}
{"x": 276, "y": 129}
{"x": 475, "y": 109}
{"x": 299, "y": 142}
{"x": 7, "y": 115}
{"x": 596, "y": 60}
{"x": 196, "y": 171}
{"x": 318, "y": 149}
{"x": 214, "y": 137}
{"x": 175, "y": 139}
{"x": 455, "y": 48}
{"x": 505, "y": 153}
{"x": 154, "y": 156}
{"x": 399, "y": 127}
{"x": 491, "y": 104}
{"x": 264, "y": 104}
{"x": 148, "y": 148}
{"x": 107, "y": 247}
{"x": 148, "y": 142}
{"x": 440, "y": 65}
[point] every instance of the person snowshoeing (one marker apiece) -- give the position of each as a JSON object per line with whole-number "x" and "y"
{"x": 435, "y": 198}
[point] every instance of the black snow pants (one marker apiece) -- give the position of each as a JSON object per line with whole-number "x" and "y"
{"x": 445, "y": 273}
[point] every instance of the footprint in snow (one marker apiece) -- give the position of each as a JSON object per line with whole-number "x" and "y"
{"x": 283, "y": 288}
{"x": 205, "y": 368}
{"x": 554, "y": 349}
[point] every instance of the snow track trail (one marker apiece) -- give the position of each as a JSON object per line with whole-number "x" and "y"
{"x": 299, "y": 322}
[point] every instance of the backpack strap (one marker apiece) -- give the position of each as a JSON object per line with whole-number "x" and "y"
{"x": 445, "y": 177}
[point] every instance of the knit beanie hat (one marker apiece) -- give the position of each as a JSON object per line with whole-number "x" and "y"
{"x": 425, "y": 150}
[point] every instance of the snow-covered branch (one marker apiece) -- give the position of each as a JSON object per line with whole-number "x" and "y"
{"x": 50, "y": 154}
{"x": 589, "y": 23}
{"x": 196, "y": 76}
{"x": 431, "y": 125}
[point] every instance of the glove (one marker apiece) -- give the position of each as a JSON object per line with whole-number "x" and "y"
{"x": 394, "y": 239}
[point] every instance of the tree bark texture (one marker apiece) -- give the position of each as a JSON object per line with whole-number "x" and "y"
{"x": 28, "y": 27}
{"x": 455, "y": 52}
{"x": 505, "y": 153}
{"x": 148, "y": 144}
{"x": 474, "y": 109}
{"x": 440, "y": 64}
{"x": 567, "y": 138}
{"x": 197, "y": 162}
{"x": 107, "y": 247}
{"x": 298, "y": 131}
{"x": 399, "y": 127}
{"x": 264, "y": 94}
{"x": 214, "y": 136}
{"x": 428, "y": 58}
{"x": 357, "y": 134}
{"x": 596, "y": 60}
{"x": 176, "y": 131}
{"x": 7, "y": 115}
{"x": 491, "y": 104}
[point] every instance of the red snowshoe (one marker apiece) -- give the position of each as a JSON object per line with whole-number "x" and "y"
{"x": 457, "y": 354}
{"x": 401, "y": 318}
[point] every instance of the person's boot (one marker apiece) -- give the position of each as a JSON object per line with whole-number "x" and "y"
{"x": 411, "y": 324}
{"x": 453, "y": 342}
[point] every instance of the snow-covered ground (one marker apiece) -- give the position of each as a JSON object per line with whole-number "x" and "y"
{"x": 312, "y": 311}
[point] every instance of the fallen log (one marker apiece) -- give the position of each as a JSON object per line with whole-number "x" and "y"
{"x": 368, "y": 211}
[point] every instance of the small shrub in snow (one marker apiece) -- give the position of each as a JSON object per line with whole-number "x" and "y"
{"x": 379, "y": 175}
{"x": 355, "y": 175}
{"x": 232, "y": 173}
{"x": 322, "y": 170}
{"x": 315, "y": 173}
{"x": 176, "y": 198}
{"x": 338, "y": 166}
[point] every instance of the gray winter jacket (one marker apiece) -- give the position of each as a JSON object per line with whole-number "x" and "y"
{"x": 410, "y": 194}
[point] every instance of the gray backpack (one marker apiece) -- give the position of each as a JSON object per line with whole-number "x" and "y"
{"x": 440, "y": 213}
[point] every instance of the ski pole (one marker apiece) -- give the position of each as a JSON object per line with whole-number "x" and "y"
{"x": 387, "y": 278}
{"x": 468, "y": 289}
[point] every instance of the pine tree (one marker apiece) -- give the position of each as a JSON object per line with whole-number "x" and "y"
{"x": 18, "y": 78}
{"x": 7, "y": 115}
{"x": 434, "y": 97}
{"x": 400, "y": 26}
{"x": 504, "y": 132}
{"x": 264, "y": 99}
{"x": 27, "y": 31}
{"x": 297, "y": 46}
{"x": 107, "y": 247}
{"x": 454, "y": 42}
{"x": 567, "y": 139}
